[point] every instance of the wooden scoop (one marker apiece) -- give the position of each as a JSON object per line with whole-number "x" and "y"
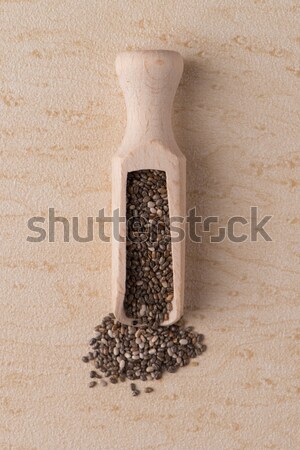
{"x": 149, "y": 80}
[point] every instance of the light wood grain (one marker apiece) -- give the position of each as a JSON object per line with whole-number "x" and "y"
{"x": 236, "y": 119}
{"x": 149, "y": 80}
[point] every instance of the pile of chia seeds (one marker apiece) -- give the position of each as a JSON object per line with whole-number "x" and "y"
{"x": 120, "y": 351}
{"x": 144, "y": 352}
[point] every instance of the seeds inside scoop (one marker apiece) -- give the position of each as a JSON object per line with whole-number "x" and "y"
{"x": 149, "y": 271}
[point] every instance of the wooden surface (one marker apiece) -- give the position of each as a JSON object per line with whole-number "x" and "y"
{"x": 149, "y": 81}
{"x": 236, "y": 120}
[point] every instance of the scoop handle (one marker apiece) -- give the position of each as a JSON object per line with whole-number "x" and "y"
{"x": 149, "y": 80}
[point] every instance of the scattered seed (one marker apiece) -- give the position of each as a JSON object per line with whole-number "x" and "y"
{"x": 94, "y": 374}
{"x": 149, "y": 389}
{"x": 113, "y": 380}
{"x": 92, "y": 384}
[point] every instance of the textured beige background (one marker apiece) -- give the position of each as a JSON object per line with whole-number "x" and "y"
{"x": 237, "y": 121}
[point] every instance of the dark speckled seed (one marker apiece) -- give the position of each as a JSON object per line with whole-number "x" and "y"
{"x": 92, "y": 384}
{"x": 94, "y": 374}
{"x": 85, "y": 359}
{"x": 113, "y": 380}
{"x": 149, "y": 389}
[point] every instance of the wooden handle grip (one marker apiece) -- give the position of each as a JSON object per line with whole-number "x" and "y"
{"x": 151, "y": 70}
{"x": 149, "y": 80}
